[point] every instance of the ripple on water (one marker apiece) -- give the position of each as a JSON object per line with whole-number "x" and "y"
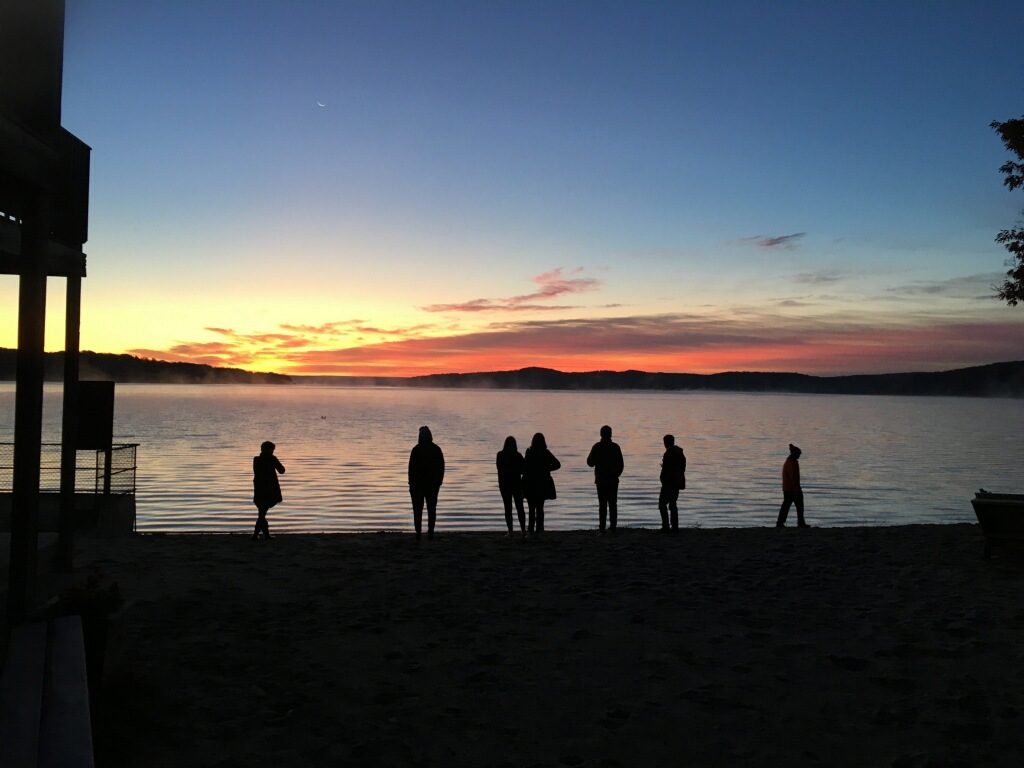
{"x": 867, "y": 460}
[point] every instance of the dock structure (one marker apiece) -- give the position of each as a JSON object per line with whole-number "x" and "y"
{"x": 44, "y": 212}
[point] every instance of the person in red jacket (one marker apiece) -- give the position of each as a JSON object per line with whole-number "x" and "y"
{"x": 792, "y": 493}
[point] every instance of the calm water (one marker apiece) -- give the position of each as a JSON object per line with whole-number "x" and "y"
{"x": 867, "y": 460}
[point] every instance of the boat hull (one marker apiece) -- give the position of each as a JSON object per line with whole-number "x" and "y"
{"x": 1001, "y": 516}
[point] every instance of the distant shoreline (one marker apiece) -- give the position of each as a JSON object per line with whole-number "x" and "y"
{"x": 993, "y": 380}
{"x": 1004, "y": 379}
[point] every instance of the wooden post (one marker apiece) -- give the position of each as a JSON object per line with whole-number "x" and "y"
{"x": 108, "y": 456}
{"x": 28, "y": 408}
{"x": 65, "y": 557}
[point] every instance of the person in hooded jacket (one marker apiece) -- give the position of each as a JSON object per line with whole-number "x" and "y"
{"x": 426, "y": 473}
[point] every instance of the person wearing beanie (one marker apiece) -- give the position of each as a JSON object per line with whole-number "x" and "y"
{"x": 792, "y": 493}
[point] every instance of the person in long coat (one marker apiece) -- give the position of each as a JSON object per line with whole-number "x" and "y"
{"x": 426, "y": 473}
{"x": 538, "y": 484}
{"x": 266, "y": 489}
{"x": 510, "y": 463}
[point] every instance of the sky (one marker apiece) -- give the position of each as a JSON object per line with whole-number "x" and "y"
{"x": 392, "y": 188}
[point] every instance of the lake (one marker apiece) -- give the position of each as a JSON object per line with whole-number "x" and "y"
{"x": 867, "y": 460}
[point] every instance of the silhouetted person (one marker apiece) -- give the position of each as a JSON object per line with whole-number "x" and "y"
{"x": 606, "y": 459}
{"x": 510, "y": 463}
{"x": 673, "y": 480}
{"x": 792, "y": 493}
{"x": 538, "y": 464}
{"x": 266, "y": 490}
{"x": 426, "y": 473}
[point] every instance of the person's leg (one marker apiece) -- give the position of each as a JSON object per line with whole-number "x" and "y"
{"x": 663, "y": 507}
{"x": 506, "y": 499}
{"x": 431, "y": 513}
{"x": 417, "y": 510}
{"x": 602, "y": 507}
{"x": 787, "y": 500}
{"x": 612, "y": 494}
{"x": 260, "y": 514}
{"x": 798, "y": 499}
{"x": 532, "y": 504}
{"x": 540, "y": 516}
{"x": 673, "y": 505}
{"x": 519, "y": 509}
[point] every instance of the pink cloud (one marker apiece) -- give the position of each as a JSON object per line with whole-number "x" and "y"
{"x": 552, "y": 284}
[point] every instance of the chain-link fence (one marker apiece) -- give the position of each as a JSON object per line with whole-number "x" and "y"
{"x": 91, "y": 469}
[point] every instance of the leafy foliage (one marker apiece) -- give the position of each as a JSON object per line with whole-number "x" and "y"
{"x": 1012, "y": 134}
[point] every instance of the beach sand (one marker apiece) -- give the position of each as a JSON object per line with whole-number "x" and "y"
{"x": 893, "y": 646}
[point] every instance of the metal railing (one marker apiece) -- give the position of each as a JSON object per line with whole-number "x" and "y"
{"x": 93, "y": 472}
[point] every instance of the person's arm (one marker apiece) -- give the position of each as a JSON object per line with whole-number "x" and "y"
{"x": 553, "y": 463}
{"x": 590, "y": 457}
{"x": 278, "y": 465}
{"x": 412, "y": 455}
{"x": 682, "y": 462}
{"x": 619, "y": 463}
{"x": 440, "y": 470}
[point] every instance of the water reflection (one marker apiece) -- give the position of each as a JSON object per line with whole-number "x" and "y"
{"x": 867, "y": 460}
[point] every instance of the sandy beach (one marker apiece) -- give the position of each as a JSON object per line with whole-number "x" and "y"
{"x": 859, "y": 646}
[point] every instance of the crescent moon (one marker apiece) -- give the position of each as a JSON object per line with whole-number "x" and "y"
{"x": 320, "y": 104}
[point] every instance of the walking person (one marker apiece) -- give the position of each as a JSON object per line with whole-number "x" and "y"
{"x": 510, "y": 463}
{"x": 673, "y": 480}
{"x": 266, "y": 489}
{"x": 538, "y": 485}
{"x": 426, "y": 473}
{"x": 606, "y": 459}
{"x": 792, "y": 493}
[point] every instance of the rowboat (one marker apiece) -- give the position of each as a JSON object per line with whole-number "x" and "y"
{"x": 1001, "y": 516}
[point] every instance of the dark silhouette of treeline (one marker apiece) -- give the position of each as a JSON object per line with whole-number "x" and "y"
{"x": 994, "y": 380}
{"x": 139, "y": 370}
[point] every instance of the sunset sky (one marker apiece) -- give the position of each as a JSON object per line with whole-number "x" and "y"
{"x": 579, "y": 185}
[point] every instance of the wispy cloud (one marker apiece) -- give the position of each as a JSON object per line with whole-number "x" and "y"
{"x": 793, "y": 303}
{"x": 788, "y": 242}
{"x": 977, "y": 286}
{"x": 324, "y": 329}
{"x": 552, "y": 284}
{"x": 819, "y": 277}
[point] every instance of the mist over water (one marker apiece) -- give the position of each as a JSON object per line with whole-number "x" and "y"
{"x": 868, "y": 460}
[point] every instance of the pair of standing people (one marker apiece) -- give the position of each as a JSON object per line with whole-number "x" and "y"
{"x": 606, "y": 459}
{"x": 526, "y": 477}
